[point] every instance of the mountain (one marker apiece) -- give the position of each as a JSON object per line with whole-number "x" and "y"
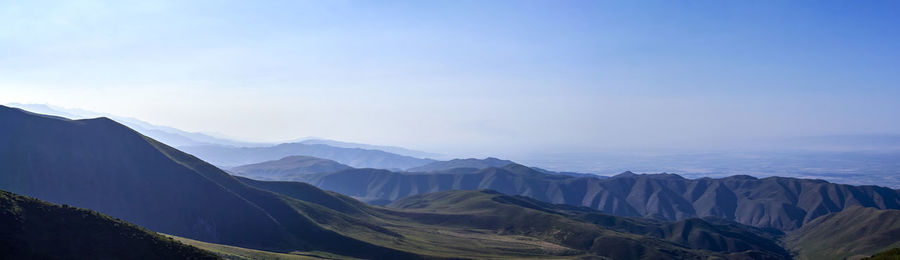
{"x": 461, "y": 163}
{"x": 105, "y": 166}
{"x": 486, "y": 224}
{"x": 287, "y": 167}
{"x": 855, "y": 232}
{"x": 230, "y": 156}
{"x": 102, "y": 165}
{"x": 167, "y": 135}
{"x": 575, "y": 227}
{"x": 34, "y": 229}
{"x": 390, "y": 149}
{"x": 772, "y": 202}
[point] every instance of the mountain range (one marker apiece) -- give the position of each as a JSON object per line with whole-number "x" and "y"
{"x": 101, "y": 165}
{"x": 231, "y": 156}
{"x": 487, "y": 224}
{"x": 772, "y": 202}
{"x": 461, "y": 163}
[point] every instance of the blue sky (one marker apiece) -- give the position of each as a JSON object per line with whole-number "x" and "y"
{"x": 466, "y": 77}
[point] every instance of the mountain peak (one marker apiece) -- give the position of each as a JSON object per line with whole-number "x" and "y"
{"x": 625, "y": 174}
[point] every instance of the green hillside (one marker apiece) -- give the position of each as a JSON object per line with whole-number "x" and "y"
{"x": 856, "y": 232}
{"x": 33, "y": 229}
{"x": 582, "y": 228}
{"x": 240, "y": 253}
{"x": 893, "y": 254}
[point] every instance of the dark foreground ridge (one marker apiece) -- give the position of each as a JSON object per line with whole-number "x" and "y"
{"x": 33, "y": 229}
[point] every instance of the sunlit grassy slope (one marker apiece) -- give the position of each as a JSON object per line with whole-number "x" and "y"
{"x": 854, "y": 233}
{"x": 233, "y": 252}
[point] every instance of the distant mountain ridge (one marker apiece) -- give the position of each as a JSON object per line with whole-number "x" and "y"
{"x": 201, "y": 141}
{"x": 461, "y": 163}
{"x": 773, "y": 202}
{"x": 390, "y": 149}
{"x": 229, "y": 156}
{"x": 168, "y": 135}
{"x": 288, "y": 167}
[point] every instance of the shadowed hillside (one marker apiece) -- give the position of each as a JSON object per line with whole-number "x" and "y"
{"x": 33, "y": 229}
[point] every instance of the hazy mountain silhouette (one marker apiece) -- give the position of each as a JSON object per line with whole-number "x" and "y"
{"x": 287, "y": 168}
{"x": 461, "y": 163}
{"x": 167, "y": 135}
{"x": 229, "y": 156}
{"x": 390, "y": 149}
{"x": 33, "y": 229}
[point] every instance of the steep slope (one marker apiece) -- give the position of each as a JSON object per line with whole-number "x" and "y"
{"x": 461, "y": 163}
{"x": 773, "y": 202}
{"x": 33, "y": 229}
{"x": 230, "y": 156}
{"x": 583, "y": 228}
{"x": 286, "y": 168}
{"x": 105, "y": 166}
{"x": 855, "y": 232}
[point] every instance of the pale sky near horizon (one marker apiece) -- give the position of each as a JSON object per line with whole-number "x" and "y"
{"x": 477, "y": 77}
